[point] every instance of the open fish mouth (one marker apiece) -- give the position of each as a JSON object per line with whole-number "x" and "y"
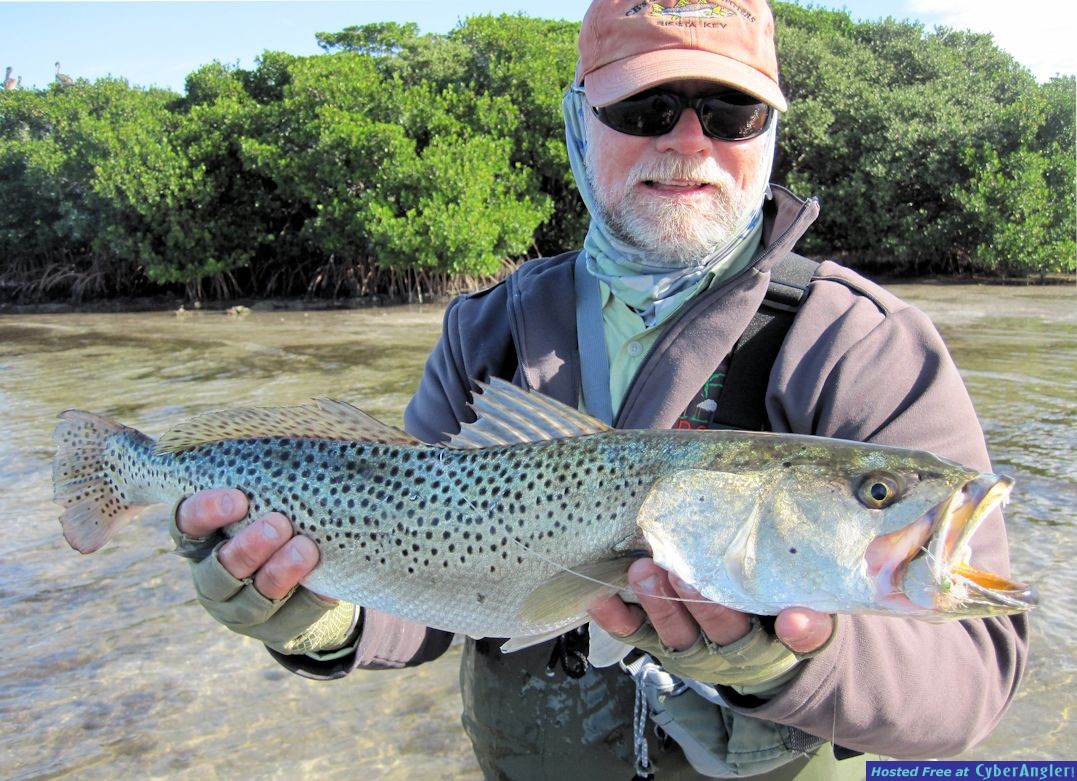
{"x": 924, "y": 568}
{"x": 950, "y": 550}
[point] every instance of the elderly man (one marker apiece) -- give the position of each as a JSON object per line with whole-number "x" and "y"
{"x": 670, "y": 126}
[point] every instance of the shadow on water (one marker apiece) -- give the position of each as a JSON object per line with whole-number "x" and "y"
{"x": 113, "y": 670}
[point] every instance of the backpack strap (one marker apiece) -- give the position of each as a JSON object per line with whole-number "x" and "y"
{"x": 742, "y": 400}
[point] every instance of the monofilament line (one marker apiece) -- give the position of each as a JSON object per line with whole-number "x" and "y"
{"x": 480, "y": 520}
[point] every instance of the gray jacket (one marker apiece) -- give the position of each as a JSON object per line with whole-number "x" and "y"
{"x": 857, "y": 364}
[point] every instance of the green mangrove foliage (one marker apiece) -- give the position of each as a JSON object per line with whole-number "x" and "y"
{"x": 930, "y": 152}
{"x": 401, "y": 163}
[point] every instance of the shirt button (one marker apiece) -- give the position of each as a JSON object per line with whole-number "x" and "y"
{"x": 635, "y": 349}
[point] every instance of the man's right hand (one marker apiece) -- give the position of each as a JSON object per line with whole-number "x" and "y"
{"x": 268, "y": 549}
{"x": 251, "y": 582}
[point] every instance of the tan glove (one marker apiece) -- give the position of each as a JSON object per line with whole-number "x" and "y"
{"x": 299, "y": 623}
{"x": 755, "y": 659}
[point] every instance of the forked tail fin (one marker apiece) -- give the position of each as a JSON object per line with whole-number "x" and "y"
{"x": 84, "y": 484}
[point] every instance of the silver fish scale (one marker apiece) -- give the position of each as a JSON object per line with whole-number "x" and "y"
{"x": 482, "y": 527}
{"x": 454, "y": 538}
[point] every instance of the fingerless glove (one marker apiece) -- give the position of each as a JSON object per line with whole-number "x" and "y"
{"x": 301, "y": 622}
{"x": 757, "y": 658}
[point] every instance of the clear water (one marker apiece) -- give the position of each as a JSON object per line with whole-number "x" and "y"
{"x": 1017, "y": 350}
{"x": 111, "y": 669}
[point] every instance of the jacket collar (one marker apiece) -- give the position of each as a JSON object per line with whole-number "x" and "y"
{"x": 786, "y": 218}
{"x": 542, "y": 318}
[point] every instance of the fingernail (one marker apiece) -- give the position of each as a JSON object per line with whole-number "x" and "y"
{"x": 648, "y": 584}
{"x": 797, "y": 643}
{"x": 297, "y": 555}
{"x": 796, "y": 638}
{"x": 269, "y": 531}
{"x": 226, "y": 505}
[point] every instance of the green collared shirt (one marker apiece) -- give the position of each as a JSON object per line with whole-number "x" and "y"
{"x": 628, "y": 340}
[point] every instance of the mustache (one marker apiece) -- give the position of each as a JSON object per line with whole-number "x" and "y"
{"x": 679, "y": 168}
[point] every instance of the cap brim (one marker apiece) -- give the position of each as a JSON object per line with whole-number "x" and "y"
{"x": 626, "y": 77}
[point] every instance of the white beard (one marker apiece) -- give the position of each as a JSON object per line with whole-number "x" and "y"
{"x": 672, "y": 234}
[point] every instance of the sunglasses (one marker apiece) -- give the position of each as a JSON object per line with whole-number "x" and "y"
{"x": 727, "y": 116}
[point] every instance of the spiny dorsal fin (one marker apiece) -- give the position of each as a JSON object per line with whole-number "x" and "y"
{"x": 508, "y": 415}
{"x": 325, "y": 419}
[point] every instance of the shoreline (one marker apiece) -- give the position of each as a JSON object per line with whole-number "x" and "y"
{"x": 240, "y": 306}
{"x": 237, "y": 306}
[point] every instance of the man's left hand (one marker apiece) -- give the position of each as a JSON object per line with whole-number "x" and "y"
{"x": 679, "y": 624}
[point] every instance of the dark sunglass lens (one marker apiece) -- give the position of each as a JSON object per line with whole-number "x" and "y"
{"x": 730, "y": 116}
{"x": 733, "y": 119}
{"x": 647, "y": 115}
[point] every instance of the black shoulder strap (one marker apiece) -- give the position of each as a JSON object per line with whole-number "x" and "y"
{"x": 742, "y": 401}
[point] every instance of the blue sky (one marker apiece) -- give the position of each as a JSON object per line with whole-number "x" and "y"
{"x": 159, "y": 43}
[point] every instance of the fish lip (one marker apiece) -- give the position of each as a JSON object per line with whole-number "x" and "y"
{"x": 955, "y": 522}
{"x": 958, "y": 518}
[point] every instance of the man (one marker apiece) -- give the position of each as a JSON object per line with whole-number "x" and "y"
{"x": 670, "y": 126}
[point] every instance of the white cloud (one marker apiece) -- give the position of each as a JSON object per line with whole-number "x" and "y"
{"x": 1040, "y": 35}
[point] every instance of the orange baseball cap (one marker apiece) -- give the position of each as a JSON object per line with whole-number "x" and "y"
{"x": 627, "y": 46}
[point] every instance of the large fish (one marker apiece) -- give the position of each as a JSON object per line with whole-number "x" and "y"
{"x": 528, "y": 514}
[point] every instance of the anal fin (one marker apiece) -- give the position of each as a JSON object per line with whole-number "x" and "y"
{"x": 520, "y": 643}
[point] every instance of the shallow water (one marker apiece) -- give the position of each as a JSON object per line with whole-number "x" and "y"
{"x": 1017, "y": 351}
{"x": 111, "y": 669}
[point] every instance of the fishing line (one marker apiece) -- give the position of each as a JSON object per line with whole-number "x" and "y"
{"x": 479, "y": 519}
{"x": 614, "y": 586}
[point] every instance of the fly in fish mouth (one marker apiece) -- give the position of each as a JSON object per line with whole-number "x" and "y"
{"x": 950, "y": 550}
{"x": 923, "y": 568}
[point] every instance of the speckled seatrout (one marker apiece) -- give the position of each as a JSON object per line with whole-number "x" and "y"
{"x": 534, "y": 510}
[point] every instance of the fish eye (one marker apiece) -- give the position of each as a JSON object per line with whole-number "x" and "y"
{"x": 878, "y": 491}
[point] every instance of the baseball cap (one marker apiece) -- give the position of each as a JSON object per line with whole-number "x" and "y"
{"x": 627, "y": 46}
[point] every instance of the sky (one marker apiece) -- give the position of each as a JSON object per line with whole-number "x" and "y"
{"x": 159, "y": 43}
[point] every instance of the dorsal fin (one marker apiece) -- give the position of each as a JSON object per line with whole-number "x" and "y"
{"x": 325, "y": 419}
{"x": 508, "y": 415}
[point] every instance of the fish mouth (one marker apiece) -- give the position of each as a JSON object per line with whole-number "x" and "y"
{"x": 924, "y": 568}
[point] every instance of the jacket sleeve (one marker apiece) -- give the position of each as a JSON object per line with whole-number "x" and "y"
{"x": 859, "y": 364}
{"x": 476, "y": 343}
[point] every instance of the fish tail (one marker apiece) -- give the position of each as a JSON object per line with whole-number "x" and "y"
{"x": 85, "y": 481}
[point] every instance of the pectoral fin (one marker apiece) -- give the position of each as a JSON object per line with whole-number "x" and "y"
{"x": 565, "y": 597}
